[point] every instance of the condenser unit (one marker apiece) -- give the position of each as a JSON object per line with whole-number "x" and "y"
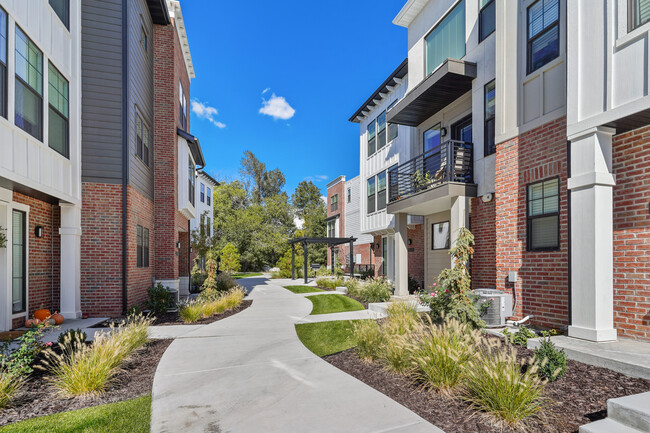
{"x": 500, "y": 306}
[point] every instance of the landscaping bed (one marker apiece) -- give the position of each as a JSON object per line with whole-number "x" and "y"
{"x": 174, "y": 318}
{"x": 577, "y": 398}
{"x": 134, "y": 379}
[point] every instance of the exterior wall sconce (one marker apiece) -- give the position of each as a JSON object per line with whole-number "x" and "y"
{"x": 377, "y": 245}
{"x": 410, "y": 241}
{"x": 178, "y": 245}
{"x": 191, "y": 250}
{"x": 443, "y": 131}
{"x": 38, "y": 232}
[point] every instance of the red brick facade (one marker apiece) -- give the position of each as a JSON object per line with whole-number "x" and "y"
{"x": 416, "y": 253}
{"x": 483, "y": 226}
{"x": 543, "y": 276}
{"x": 139, "y": 213}
{"x": 631, "y": 165}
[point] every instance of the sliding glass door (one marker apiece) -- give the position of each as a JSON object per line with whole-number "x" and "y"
{"x": 19, "y": 262}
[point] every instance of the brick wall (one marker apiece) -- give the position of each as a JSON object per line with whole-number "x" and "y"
{"x": 101, "y": 249}
{"x": 44, "y": 256}
{"x": 542, "y": 287}
{"x": 416, "y": 252}
{"x": 139, "y": 213}
{"x": 482, "y": 225}
{"x": 631, "y": 165}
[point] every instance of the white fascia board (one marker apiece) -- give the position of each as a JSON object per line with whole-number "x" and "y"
{"x": 408, "y": 13}
{"x": 175, "y": 12}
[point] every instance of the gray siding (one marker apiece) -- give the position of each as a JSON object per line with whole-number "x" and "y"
{"x": 101, "y": 71}
{"x": 140, "y": 93}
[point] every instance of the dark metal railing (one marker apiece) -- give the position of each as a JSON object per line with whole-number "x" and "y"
{"x": 451, "y": 161}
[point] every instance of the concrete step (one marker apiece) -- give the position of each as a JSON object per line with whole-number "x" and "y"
{"x": 342, "y": 289}
{"x": 381, "y": 308}
{"x": 608, "y": 426}
{"x": 632, "y": 410}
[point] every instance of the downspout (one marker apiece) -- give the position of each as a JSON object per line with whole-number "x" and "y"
{"x": 125, "y": 149}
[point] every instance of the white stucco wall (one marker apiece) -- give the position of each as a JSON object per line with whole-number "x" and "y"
{"x": 202, "y": 206}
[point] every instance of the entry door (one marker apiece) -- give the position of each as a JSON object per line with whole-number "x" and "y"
{"x": 462, "y": 130}
{"x": 18, "y": 262}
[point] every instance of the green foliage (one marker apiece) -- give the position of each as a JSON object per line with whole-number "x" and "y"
{"x": 18, "y": 362}
{"x": 520, "y": 337}
{"x": 375, "y": 290}
{"x": 303, "y": 289}
{"x": 160, "y": 299}
{"x": 284, "y": 264}
{"x": 3, "y": 237}
{"x": 211, "y": 302}
{"x": 230, "y": 258}
{"x": 369, "y": 339}
{"x": 72, "y": 339}
{"x": 421, "y": 180}
{"x": 134, "y": 310}
{"x": 333, "y": 303}
{"x": 210, "y": 283}
{"x": 198, "y": 276}
{"x": 10, "y": 384}
{"x": 309, "y": 206}
{"x": 414, "y": 285}
{"x": 330, "y": 283}
{"x": 201, "y": 240}
{"x": 551, "y": 361}
{"x": 326, "y": 338}
{"x": 452, "y": 296}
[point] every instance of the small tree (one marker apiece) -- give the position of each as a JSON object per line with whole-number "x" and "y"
{"x": 230, "y": 258}
{"x": 210, "y": 282}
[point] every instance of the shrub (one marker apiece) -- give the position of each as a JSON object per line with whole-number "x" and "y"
{"x": 441, "y": 355}
{"x": 18, "y": 362}
{"x": 225, "y": 282}
{"x": 520, "y": 337}
{"x": 210, "y": 303}
{"x": 191, "y": 311}
{"x": 10, "y": 384}
{"x": 403, "y": 318}
{"x": 234, "y": 297}
{"x": 230, "y": 258}
{"x": 198, "y": 277}
{"x": 284, "y": 264}
{"x": 551, "y": 361}
{"x": 330, "y": 283}
{"x": 498, "y": 384}
{"x": 353, "y": 285}
{"x": 210, "y": 283}
{"x": 375, "y": 290}
{"x": 160, "y": 299}
{"x": 414, "y": 285}
{"x": 396, "y": 352}
{"x": 72, "y": 339}
{"x": 369, "y": 339}
{"x": 134, "y": 310}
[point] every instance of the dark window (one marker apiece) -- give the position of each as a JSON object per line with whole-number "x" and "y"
{"x": 58, "y": 134}
{"x": 191, "y": 175}
{"x": 144, "y": 39}
{"x": 440, "y": 236}
{"x": 544, "y": 215}
{"x": 209, "y": 225}
{"x": 142, "y": 139}
{"x": 209, "y": 197}
{"x": 638, "y": 13}
{"x": 487, "y": 19}
{"x": 19, "y": 262}
{"x": 142, "y": 247}
{"x": 372, "y": 129}
{"x": 393, "y": 183}
{"x": 139, "y": 248}
{"x": 381, "y": 130}
{"x": 371, "y": 195}
{"x": 182, "y": 106}
{"x": 384, "y": 255}
{"x": 29, "y": 86}
{"x": 3, "y": 63}
{"x": 334, "y": 202}
{"x": 543, "y": 33}
{"x": 145, "y": 247}
{"x": 489, "y": 139}
{"x": 393, "y": 130}
{"x": 62, "y": 10}
{"x": 381, "y": 191}
{"x": 349, "y": 195}
{"x": 202, "y": 193}
{"x": 331, "y": 228}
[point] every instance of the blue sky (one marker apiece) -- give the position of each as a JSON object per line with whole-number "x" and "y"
{"x": 324, "y": 58}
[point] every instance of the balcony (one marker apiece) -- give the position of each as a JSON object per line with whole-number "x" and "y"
{"x": 427, "y": 183}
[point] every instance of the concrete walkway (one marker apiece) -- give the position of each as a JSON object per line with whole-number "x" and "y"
{"x": 250, "y": 373}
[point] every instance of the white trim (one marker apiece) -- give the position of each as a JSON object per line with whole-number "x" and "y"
{"x": 175, "y": 12}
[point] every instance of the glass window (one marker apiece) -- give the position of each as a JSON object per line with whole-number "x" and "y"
{"x": 543, "y": 33}
{"x": 393, "y": 183}
{"x": 334, "y": 202}
{"x": 62, "y": 10}
{"x": 182, "y": 105}
{"x": 191, "y": 175}
{"x": 447, "y": 40}
{"x": 29, "y": 86}
{"x": 381, "y": 130}
{"x": 638, "y": 13}
{"x": 393, "y": 129}
{"x": 384, "y": 255}
{"x": 209, "y": 197}
{"x": 144, "y": 39}
{"x": 3, "y": 63}
{"x": 58, "y": 134}
{"x": 371, "y": 137}
{"x": 543, "y": 215}
{"x": 142, "y": 139}
{"x": 371, "y": 195}
{"x": 432, "y": 139}
{"x": 331, "y": 229}
{"x": 202, "y": 198}
{"x": 209, "y": 225}
{"x": 440, "y": 236}
{"x": 490, "y": 146}
{"x": 142, "y": 247}
{"x": 349, "y": 195}
{"x": 19, "y": 262}
{"x": 487, "y": 19}
{"x": 381, "y": 191}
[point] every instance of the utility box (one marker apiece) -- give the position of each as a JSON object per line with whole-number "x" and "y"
{"x": 500, "y": 306}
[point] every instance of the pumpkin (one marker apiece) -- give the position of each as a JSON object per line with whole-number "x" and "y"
{"x": 42, "y": 314}
{"x": 31, "y": 323}
{"x": 58, "y": 318}
{"x": 49, "y": 322}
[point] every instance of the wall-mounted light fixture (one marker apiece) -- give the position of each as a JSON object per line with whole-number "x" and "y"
{"x": 38, "y": 232}
{"x": 178, "y": 245}
{"x": 410, "y": 241}
{"x": 377, "y": 246}
{"x": 443, "y": 131}
{"x": 191, "y": 250}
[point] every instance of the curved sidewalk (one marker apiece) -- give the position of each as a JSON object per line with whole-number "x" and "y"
{"x": 251, "y": 373}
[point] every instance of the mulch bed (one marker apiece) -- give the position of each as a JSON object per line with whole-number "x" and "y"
{"x": 37, "y": 398}
{"x": 578, "y": 398}
{"x": 175, "y": 319}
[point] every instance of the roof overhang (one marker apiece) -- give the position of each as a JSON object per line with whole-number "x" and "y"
{"x": 407, "y": 14}
{"x": 195, "y": 147}
{"x": 393, "y": 79}
{"x": 443, "y": 86}
{"x": 176, "y": 13}
{"x": 159, "y": 12}
{"x": 214, "y": 181}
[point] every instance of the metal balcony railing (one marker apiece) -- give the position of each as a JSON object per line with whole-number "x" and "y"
{"x": 451, "y": 161}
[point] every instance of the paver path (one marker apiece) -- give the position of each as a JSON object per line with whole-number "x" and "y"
{"x": 251, "y": 373}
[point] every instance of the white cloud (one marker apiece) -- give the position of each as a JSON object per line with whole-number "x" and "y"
{"x": 317, "y": 178}
{"x": 265, "y": 90}
{"x": 322, "y": 177}
{"x": 204, "y": 111}
{"x": 277, "y": 107}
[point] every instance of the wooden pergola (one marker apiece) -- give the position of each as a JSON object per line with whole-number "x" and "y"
{"x": 331, "y": 242}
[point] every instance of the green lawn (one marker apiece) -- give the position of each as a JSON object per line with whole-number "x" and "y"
{"x": 335, "y": 303}
{"x": 303, "y": 289}
{"x": 246, "y": 274}
{"x": 132, "y": 416}
{"x": 325, "y": 338}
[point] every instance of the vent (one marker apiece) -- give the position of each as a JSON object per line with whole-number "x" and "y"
{"x": 500, "y": 306}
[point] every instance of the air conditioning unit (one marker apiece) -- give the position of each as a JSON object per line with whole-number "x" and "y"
{"x": 500, "y": 306}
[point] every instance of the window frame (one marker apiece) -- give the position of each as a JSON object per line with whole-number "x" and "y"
{"x": 371, "y": 142}
{"x": 191, "y": 178}
{"x": 378, "y": 191}
{"x": 530, "y": 219}
{"x": 529, "y": 40}
{"x": 334, "y": 203}
{"x": 438, "y": 24}
{"x": 182, "y": 105}
{"x": 380, "y": 143}
{"x": 144, "y": 39}
{"x": 66, "y": 150}
{"x": 202, "y": 192}
{"x": 28, "y": 87}
{"x": 145, "y": 247}
{"x": 349, "y": 195}
{"x": 372, "y": 196}
{"x": 208, "y": 196}
{"x": 631, "y": 16}
{"x": 487, "y": 150}
{"x": 433, "y": 236}
{"x": 142, "y": 146}
{"x": 391, "y": 127}
{"x": 4, "y": 83}
{"x": 66, "y": 20}
{"x": 25, "y": 247}
{"x": 139, "y": 246}
{"x": 490, "y": 3}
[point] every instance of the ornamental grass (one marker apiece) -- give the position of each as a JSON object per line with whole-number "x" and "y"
{"x": 10, "y": 384}
{"x": 211, "y": 304}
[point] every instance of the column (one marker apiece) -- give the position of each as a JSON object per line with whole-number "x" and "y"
{"x": 459, "y": 218}
{"x": 70, "y": 232}
{"x": 293, "y": 261}
{"x": 401, "y": 255}
{"x": 591, "y": 186}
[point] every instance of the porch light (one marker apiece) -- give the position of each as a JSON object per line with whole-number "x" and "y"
{"x": 443, "y": 131}
{"x": 410, "y": 241}
{"x": 38, "y": 232}
{"x": 178, "y": 245}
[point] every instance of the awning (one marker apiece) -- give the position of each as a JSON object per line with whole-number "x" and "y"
{"x": 449, "y": 82}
